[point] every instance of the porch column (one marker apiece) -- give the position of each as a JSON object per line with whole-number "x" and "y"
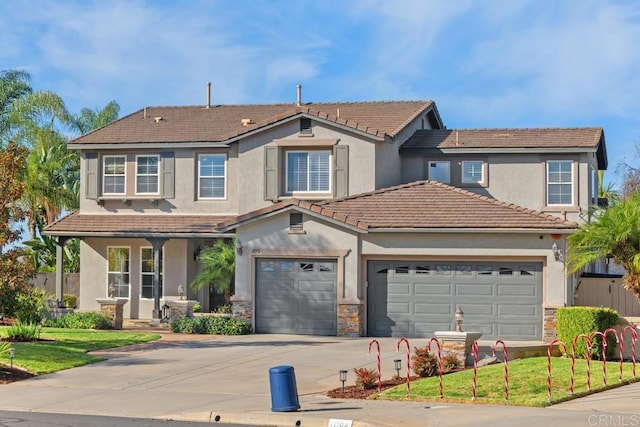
{"x": 60, "y": 242}
{"x": 157, "y": 244}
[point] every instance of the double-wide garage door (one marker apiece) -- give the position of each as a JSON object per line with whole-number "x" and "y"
{"x": 296, "y": 296}
{"x": 415, "y": 299}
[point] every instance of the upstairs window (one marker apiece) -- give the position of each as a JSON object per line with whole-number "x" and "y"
{"x": 473, "y": 172}
{"x": 308, "y": 171}
{"x": 147, "y": 272}
{"x": 439, "y": 171}
{"x": 212, "y": 171}
{"x": 559, "y": 182}
{"x": 114, "y": 174}
{"x": 147, "y": 174}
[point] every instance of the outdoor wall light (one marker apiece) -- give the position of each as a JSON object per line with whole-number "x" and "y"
{"x": 557, "y": 254}
{"x": 12, "y": 354}
{"x": 397, "y": 364}
{"x": 343, "y": 378}
{"x": 459, "y": 317}
{"x": 181, "y": 291}
{"x": 238, "y": 246}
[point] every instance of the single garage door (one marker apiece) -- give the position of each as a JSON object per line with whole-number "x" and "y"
{"x": 415, "y": 299}
{"x": 296, "y": 296}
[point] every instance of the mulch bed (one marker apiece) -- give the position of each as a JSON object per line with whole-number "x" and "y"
{"x": 353, "y": 392}
{"x": 9, "y": 374}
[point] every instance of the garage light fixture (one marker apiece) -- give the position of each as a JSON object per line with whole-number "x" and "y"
{"x": 238, "y": 247}
{"x": 557, "y": 254}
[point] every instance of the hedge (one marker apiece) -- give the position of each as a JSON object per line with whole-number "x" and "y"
{"x": 86, "y": 320}
{"x": 573, "y": 321}
{"x": 214, "y": 325}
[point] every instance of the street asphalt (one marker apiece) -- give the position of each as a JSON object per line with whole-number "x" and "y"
{"x": 224, "y": 379}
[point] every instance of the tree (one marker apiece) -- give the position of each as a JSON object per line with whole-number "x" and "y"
{"x": 611, "y": 232}
{"x": 15, "y": 268}
{"x": 218, "y": 264}
{"x": 22, "y": 109}
{"x": 89, "y": 119}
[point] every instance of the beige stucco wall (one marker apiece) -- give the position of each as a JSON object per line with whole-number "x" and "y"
{"x": 515, "y": 178}
{"x": 93, "y": 273}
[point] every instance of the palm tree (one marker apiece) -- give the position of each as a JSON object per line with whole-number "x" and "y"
{"x": 89, "y": 119}
{"x": 49, "y": 180}
{"x": 613, "y": 232}
{"x": 22, "y": 108}
{"x": 218, "y": 263}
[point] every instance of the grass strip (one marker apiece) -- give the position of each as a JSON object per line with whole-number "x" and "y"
{"x": 68, "y": 348}
{"x": 527, "y": 382}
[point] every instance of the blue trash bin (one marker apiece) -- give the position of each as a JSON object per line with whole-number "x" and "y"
{"x": 284, "y": 392}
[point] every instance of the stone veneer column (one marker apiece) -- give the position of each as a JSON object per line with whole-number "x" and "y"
{"x": 242, "y": 309}
{"x": 350, "y": 318}
{"x": 113, "y": 307}
{"x": 550, "y": 323}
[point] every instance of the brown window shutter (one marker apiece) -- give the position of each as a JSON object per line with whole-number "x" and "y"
{"x": 91, "y": 181}
{"x": 271, "y": 173}
{"x": 340, "y": 170}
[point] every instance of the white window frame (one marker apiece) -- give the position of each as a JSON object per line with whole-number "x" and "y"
{"x": 307, "y": 152}
{"x": 549, "y": 183}
{"x": 223, "y": 176}
{"x": 104, "y": 173}
{"x": 443, "y": 162}
{"x": 463, "y": 177}
{"x": 157, "y": 174}
{"x": 151, "y": 273}
{"x": 128, "y": 272}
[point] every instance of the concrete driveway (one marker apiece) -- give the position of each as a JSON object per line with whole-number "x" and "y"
{"x": 226, "y": 379}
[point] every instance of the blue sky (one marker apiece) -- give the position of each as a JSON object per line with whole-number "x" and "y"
{"x": 486, "y": 64}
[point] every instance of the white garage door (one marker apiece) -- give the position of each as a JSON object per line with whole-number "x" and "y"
{"x": 415, "y": 299}
{"x": 296, "y": 296}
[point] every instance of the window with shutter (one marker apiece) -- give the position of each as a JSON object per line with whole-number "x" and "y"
{"x": 308, "y": 171}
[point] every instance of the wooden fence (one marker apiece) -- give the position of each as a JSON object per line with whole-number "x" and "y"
{"x": 607, "y": 292}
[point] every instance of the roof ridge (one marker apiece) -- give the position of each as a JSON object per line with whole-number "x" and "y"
{"x": 497, "y": 202}
{"x": 516, "y": 129}
{"x": 411, "y": 118}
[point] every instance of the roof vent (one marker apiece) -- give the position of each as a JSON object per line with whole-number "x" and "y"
{"x": 208, "y": 95}
{"x": 299, "y": 95}
{"x": 158, "y": 119}
{"x": 246, "y": 122}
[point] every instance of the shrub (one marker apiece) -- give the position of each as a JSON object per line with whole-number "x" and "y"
{"x": 4, "y": 348}
{"x": 31, "y": 305}
{"x": 87, "y": 320}
{"x": 213, "y": 325}
{"x": 70, "y": 300}
{"x": 573, "y": 321}
{"x": 450, "y": 363}
{"x": 366, "y": 379}
{"x": 23, "y": 332}
{"x": 423, "y": 363}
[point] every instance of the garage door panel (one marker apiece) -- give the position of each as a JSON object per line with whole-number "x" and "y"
{"x": 523, "y": 290}
{"x": 500, "y": 300}
{"x": 429, "y": 289}
{"x": 473, "y": 289}
{"x": 398, "y": 309}
{"x": 427, "y": 308}
{"x": 485, "y": 308}
{"x": 296, "y": 296}
{"x": 517, "y": 310}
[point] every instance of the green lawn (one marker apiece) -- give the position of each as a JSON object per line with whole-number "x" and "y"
{"x": 69, "y": 348}
{"x": 527, "y": 382}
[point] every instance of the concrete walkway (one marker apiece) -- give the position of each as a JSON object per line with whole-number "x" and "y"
{"x": 204, "y": 378}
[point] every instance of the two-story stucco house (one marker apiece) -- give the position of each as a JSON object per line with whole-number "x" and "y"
{"x": 350, "y": 219}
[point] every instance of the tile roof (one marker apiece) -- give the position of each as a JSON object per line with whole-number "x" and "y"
{"x": 505, "y": 138}
{"x": 422, "y": 205}
{"x": 224, "y": 122}
{"x": 76, "y": 224}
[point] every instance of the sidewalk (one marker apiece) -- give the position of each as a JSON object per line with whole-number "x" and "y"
{"x": 201, "y": 378}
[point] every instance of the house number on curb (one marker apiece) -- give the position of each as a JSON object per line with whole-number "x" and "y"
{"x": 340, "y": 423}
